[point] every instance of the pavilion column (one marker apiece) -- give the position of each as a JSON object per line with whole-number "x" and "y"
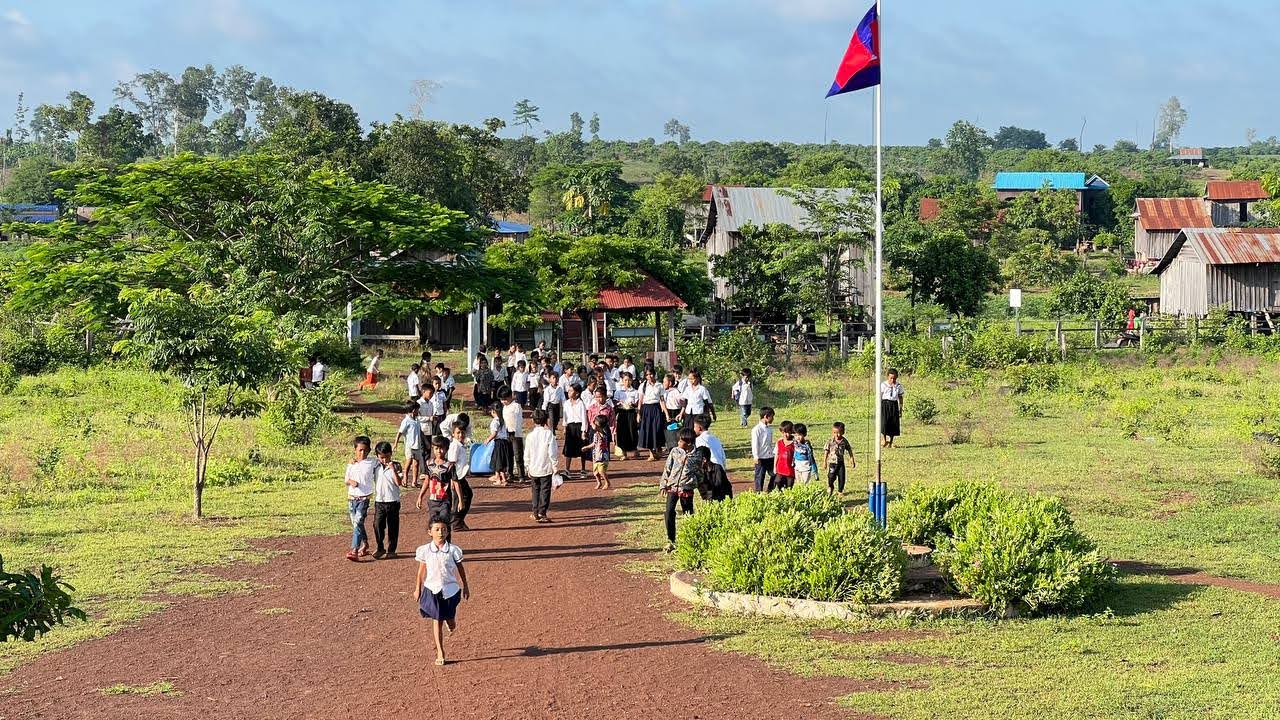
{"x": 671, "y": 331}
{"x": 657, "y": 331}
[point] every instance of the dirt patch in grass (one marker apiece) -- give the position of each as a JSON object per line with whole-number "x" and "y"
{"x": 1192, "y": 576}
{"x": 912, "y": 659}
{"x": 1173, "y": 503}
{"x": 874, "y": 636}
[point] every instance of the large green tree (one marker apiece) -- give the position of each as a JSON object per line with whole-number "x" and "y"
{"x": 967, "y": 145}
{"x": 204, "y": 258}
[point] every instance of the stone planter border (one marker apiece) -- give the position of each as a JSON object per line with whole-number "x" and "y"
{"x": 685, "y": 585}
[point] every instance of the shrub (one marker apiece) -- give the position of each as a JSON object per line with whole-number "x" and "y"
{"x": 767, "y": 558}
{"x": 1023, "y": 379}
{"x": 962, "y": 432}
{"x": 333, "y": 350}
{"x": 712, "y": 523}
{"x": 8, "y": 378}
{"x": 854, "y": 559}
{"x": 923, "y": 409}
{"x": 1024, "y": 553}
{"x": 1028, "y": 408}
{"x": 1140, "y": 416}
{"x": 298, "y": 416}
{"x": 32, "y": 604}
{"x": 721, "y": 360}
{"x": 926, "y": 513}
{"x": 994, "y": 346}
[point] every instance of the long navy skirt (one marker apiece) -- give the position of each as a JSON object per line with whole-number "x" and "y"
{"x": 652, "y": 425}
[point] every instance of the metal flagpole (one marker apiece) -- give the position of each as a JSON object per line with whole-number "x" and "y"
{"x": 879, "y": 497}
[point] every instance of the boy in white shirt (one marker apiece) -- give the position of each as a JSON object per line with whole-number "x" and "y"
{"x": 513, "y": 417}
{"x": 414, "y": 382}
{"x": 540, "y": 458}
{"x": 318, "y": 371}
{"x": 520, "y": 383}
{"x": 552, "y": 400}
{"x": 414, "y": 446}
{"x": 744, "y": 394}
{"x": 361, "y": 475}
{"x": 697, "y": 400}
{"x": 763, "y": 450}
{"x": 386, "y": 502}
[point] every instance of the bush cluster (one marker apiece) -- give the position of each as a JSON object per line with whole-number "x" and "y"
{"x": 722, "y": 359}
{"x": 299, "y": 417}
{"x": 988, "y": 346}
{"x": 28, "y": 346}
{"x": 1019, "y": 552}
{"x": 795, "y": 543}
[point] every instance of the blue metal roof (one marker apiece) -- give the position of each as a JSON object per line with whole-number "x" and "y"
{"x": 503, "y": 227}
{"x": 28, "y": 213}
{"x": 1055, "y": 180}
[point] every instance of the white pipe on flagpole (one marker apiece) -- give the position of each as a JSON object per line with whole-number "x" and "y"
{"x": 879, "y": 274}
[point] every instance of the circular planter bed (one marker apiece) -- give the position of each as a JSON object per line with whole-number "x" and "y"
{"x": 687, "y": 586}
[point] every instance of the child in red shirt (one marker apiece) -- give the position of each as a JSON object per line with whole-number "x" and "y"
{"x": 783, "y": 468}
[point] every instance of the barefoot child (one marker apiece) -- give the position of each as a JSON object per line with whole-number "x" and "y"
{"x": 803, "y": 460}
{"x": 676, "y": 485}
{"x": 441, "y": 583}
{"x": 439, "y": 482}
{"x": 459, "y": 458}
{"x": 837, "y": 447}
{"x": 375, "y": 369}
{"x": 784, "y": 472}
{"x": 361, "y": 475}
{"x": 386, "y": 502}
{"x": 599, "y": 449}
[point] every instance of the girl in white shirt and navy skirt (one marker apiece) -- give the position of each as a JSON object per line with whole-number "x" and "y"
{"x": 441, "y": 583}
{"x": 891, "y": 393}
{"x": 652, "y": 424}
{"x": 575, "y": 431}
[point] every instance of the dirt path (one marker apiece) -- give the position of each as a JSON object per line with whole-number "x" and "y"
{"x": 555, "y": 630}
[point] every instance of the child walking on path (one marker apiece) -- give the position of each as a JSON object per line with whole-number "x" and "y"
{"x": 386, "y": 503}
{"x": 439, "y": 482}
{"x": 744, "y": 394}
{"x": 375, "y": 369}
{"x": 599, "y": 449}
{"x": 677, "y": 484}
{"x": 415, "y": 442}
{"x": 540, "y": 460}
{"x": 361, "y": 475}
{"x": 833, "y": 457}
{"x": 501, "y": 440}
{"x": 803, "y": 459}
{"x": 459, "y": 458}
{"x": 441, "y": 584}
{"x": 763, "y": 451}
{"x": 784, "y": 472}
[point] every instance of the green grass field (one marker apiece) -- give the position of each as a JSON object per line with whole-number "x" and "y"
{"x": 1156, "y": 462}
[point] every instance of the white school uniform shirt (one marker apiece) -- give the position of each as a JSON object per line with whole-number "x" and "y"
{"x": 442, "y": 568}
{"x": 713, "y": 446}
{"x": 412, "y": 431}
{"x": 414, "y": 383}
{"x": 364, "y": 473}
{"x": 566, "y": 380}
{"x": 682, "y": 384}
{"x": 540, "y": 451}
{"x": 697, "y": 397}
{"x": 318, "y": 372}
{"x": 673, "y": 398}
{"x": 743, "y": 392}
{"x": 375, "y": 364}
{"x": 575, "y": 411}
{"x": 629, "y": 369}
{"x": 515, "y": 358}
{"x": 438, "y": 402}
{"x": 627, "y": 399}
{"x": 762, "y": 447}
{"x": 651, "y": 393}
{"x": 385, "y": 487}
{"x": 519, "y": 381}
{"x": 513, "y": 416}
{"x": 448, "y": 383}
{"x": 891, "y": 392}
{"x": 552, "y": 395}
{"x": 498, "y": 428}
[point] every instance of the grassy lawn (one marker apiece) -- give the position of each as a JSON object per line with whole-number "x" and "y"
{"x": 1188, "y": 491}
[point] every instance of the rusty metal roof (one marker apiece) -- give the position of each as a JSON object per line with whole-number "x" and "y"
{"x": 1235, "y": 246}
{"x": 1238, "y": 190}
{"x": 930, "y": 208}
{"x": 734, "y": 207}
{"x": 1172, "y": 213}
{"x": 648, "y": 295}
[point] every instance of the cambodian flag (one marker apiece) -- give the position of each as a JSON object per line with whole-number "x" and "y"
{"x": 860, "y": 67}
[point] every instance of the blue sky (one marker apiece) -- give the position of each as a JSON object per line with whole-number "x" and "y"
{"x": 731, "y": 69}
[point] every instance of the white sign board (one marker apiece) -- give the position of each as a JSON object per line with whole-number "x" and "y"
{"x": 1015, "y": 297}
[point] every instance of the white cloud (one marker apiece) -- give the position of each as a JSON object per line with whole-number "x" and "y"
{"x": 16, "y": 17}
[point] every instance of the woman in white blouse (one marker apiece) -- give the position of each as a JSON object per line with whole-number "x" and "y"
{"x": 652, "y": 422}
{"x": 891, "y": 399}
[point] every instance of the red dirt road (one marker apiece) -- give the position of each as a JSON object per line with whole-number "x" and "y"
{"x": 554, "y": 630}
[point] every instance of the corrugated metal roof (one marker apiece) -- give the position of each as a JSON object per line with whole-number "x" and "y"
{"x": 1055, "y": 180}
{"x": 1172, "y": 213}
{"x": 648, "y": 295}
{"x": 503, "y": 227}
{"x": 28, "y": 213}
{"x": 1236, "y": 246}
{"x": 1224, "y": 190}
{"x": 738, "y": 206}
{"x": 930, "y": 208}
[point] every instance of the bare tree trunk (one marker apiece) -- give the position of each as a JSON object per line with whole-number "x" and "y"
{"x": 202, "y": 462}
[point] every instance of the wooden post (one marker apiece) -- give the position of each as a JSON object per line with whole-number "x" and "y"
{"x": 1057, "y": 331}
{"x": 844, "y": 343}
{"x": 702, "y": 331}
{"x": 1097, "y": 334}
{"x": 671, "y": 331}
{"x": 788, "y": 341}
{"x": 1062, "y": 345}
{"x": 1253, "y": 324}
{"x": 1195, "y": 330}
{"x": 657, "y": 331}
{"x": 1142, "y": 335}
{"x": 595, "y": 334}
{"x": 1017, "y": 325}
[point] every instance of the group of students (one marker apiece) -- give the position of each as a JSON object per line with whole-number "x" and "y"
{"x": 781, "y": 463}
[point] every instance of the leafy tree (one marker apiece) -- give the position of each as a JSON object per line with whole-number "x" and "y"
{"x": 526, "y": 114}
{"x": 820, "y": 261}
{"x": 195, "y": 93}
{"x": 594, "y": 196}
{"x": 1010, "y": 137}
{"x": 229, "y": 134}
{"x": 1172, "y": 117}
{"x": 566, "y": 273}
{"x": 1126, "y": 146}
{"x": 954, "y": 273}
{"x": 1069, "y": 145}
{"x": 313, "y": 127}
{"x": 235, "y": 86}
{"x": 58, "y": 123}
{"x": 576, "y": 123}
{"x": 22, "y": 133}
{"x": 934, "y": 144}
{"x": 968, "y": 144}
{"x": 971, "y": 211}
{"x": 1037, "y": 262}
{"x": 117, "y": 137}
{"x": 33, "y": 181}
{"x": 661, "y": 208}
{"x": 823, "y": 169}
{"x": 756, "y": 163}
{"x": 1085, "y": 294}
{"x": 32, "y": 603}
{"x": 207, "y": 257}
{"x": 676, "y": 130}
{"x": 594, "y": 126}
{"x": 565, "y": 148}
{"x": 153, "y": 95}
{"x": 755, "y": 286}
{"x": 1054, "y": 211}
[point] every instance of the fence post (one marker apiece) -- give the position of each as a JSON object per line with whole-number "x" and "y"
{"x": 788, "y": 341}
{"x": 1017, "y": 326}
{"x": 703, "y": 332}
{"x": 1057, "y": 331}
{"x": 1253, "y": 324}
{"x": 1142, "y": 335}
{"x": 1097, "y": 334}
{"x": 844, "y": 343}
{"x": 1195, "y": 330}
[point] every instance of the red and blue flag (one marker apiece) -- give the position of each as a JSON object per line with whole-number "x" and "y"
{"x": 860, "y": 67}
